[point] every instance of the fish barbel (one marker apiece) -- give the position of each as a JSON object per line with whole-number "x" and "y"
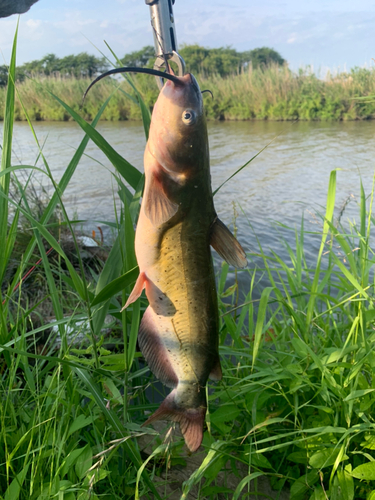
{"x": 179, "y": 331}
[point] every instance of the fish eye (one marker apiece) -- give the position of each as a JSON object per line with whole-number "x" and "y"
{"x": 188, "y": 116}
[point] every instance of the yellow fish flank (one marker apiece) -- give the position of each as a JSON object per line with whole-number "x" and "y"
{"x": 178, "y": 335}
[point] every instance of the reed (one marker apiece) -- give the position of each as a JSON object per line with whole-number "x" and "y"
{"x": 296, "y": 399}
{"x": 274, "y": 93}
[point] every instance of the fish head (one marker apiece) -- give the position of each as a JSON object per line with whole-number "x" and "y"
{"x": 178, "y": 132}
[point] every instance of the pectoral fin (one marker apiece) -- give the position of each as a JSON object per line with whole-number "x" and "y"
{"x": 137, "y": 290}
{"x": 226, "y": 245}
{"x": 158, "y": 208}
{"x": 157, "y": 299}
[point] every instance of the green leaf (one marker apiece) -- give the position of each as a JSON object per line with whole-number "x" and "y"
{"x": 245, "y": 481}
{"x": 259, "y": 460}
{"x": 114, "y": 362}
{"x": 84, "y": 462}
{"x": 325, "y": 458}
{"x": 299, "y": 457}
{"x": 79, "y": 422}
{"x": 55, "y": 245}
{"x": 358, "y": 394}
{"x": 345, "y": 485}
{"x": 210, "y": 490}
{"x": 225, "y": 413}
{"x": 212, "y": 456}
{"x": 13, "y": 491}
{"x": 116, "y": 286}
{"x": 260, "y": 321}
{"x": 300, "y": 487}
{"x": 318, "y": 494}
{"x": 71, "y": 459}
{"x": 331, "y": 197}
{"x": 160, "y": 449}
{"x": 6, "y": 157}
{"x": 116, "y": 424}
{"x": 365, "y": 471}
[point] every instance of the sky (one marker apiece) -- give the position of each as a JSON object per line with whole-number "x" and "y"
{"x": 336, "y": 34}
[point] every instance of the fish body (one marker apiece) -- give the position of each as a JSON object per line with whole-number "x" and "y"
{"x": 178, "y": 335}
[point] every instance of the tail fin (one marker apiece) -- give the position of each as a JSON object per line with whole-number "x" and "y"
{"x": 191, "y": 420}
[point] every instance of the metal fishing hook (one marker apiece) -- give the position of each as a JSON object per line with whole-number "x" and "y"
{"x": 165, "y": 40}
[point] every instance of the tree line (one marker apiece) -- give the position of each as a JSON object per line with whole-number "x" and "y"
{"x": 223, "y": 61}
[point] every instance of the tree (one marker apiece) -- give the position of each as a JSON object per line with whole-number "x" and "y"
{"x": 80, "y": 66}
{"x": 140, "y": 58}
{"x": 261, "y": 57}
{"x": 222, "y": 61}
{"x": 3, "y": 76}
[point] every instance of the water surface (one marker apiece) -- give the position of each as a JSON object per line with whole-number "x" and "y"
{"x": 288, "y": 180}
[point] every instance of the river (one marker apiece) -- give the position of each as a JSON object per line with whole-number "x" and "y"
{"x": 286, "y": 182}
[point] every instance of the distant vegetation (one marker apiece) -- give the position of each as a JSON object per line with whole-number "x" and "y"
{"x": 221, "y": 61}
{"x": 78, "y": 66}
{"x": 272, "y": 93}
{"x": 252, "y": 85}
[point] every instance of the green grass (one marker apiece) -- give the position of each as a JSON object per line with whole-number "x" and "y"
{"x": 295, "y": 403}
{"x": 275, "y": 93}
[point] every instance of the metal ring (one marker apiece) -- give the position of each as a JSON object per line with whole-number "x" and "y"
{"x": 160, "y": 63}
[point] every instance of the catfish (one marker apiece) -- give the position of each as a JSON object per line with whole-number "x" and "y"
{"x": 179, "y": 331}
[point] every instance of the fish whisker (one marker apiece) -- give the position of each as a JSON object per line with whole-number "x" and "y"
{"x": 209, "y": 91}
{"x": 130, "y": 69}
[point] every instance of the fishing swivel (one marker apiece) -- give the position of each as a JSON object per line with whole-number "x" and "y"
{"x": 165, "y": 40}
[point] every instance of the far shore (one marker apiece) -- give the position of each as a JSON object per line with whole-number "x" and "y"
{"x": 275, "y": 93}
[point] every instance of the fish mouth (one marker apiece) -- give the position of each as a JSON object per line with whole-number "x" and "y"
{"x": 130, "y": 69}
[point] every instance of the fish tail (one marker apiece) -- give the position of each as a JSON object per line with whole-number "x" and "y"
{"x": 190, "y": 420}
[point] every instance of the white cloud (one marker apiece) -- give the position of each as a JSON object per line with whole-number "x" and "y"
{"x": 324, "y": 36}
{"x": 33, "y": 23}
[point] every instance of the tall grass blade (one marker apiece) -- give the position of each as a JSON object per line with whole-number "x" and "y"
{"x": 6, "y": 156}
{"x": 246, "y": 480}
{"x": 56, "y": 196}
{"x": 117, "y": 426}
{"x": 116, "y": 286}
{"x": 260, "y": 321}
{"x": 243, "y": 166}
{"x": 331, "y": 197}
{"x": 13, "y": 492}
{"x": 125, "y": 169}
{"x": 146, "y": 115}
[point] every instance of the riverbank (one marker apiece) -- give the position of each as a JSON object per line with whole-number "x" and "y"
{"x": 271, "y": 94}
{"x": 295, "y": 401}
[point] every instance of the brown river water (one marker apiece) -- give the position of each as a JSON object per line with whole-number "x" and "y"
{"x": 286, "y": 182}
